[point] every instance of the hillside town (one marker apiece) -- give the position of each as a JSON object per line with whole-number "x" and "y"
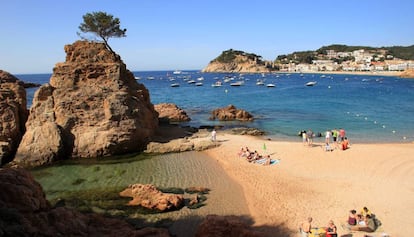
{"x": 360, "y": 60}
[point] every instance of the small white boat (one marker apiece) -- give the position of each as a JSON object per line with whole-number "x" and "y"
{"x": 217, "y": 84}
{"x": 191, "y": 82}
{"x": 260, "y": 83}
{"x": 175, "y": 85}
{"x": 311, "y": 83}
{"x": 199, "y": 84}
{"x": 176, "y": 72}
{"x": 270, "y": 85}
{"x": 237, "y": 83}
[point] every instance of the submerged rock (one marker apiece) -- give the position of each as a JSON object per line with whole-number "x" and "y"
{"x": 148, "y": 196}
{"x": 92, "y": 107}
{"x": 13, "y": 115}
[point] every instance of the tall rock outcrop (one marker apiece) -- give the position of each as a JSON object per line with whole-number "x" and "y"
{"x": 13, "y": 115}
{"x": 92, "y": 107}
{"x": 238, "y": 61}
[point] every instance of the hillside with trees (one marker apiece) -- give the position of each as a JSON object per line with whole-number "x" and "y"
{"x": 400, "y": 52}
{"x": 238, "y": 61}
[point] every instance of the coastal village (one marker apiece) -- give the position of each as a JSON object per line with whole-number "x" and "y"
{"x": 356, "y": 61}
{"x": 328, "y": 59}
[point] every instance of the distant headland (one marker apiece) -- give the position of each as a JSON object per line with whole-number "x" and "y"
{"x": 395, "y": 60}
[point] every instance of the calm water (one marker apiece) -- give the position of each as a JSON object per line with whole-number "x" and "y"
{"x": 94, "y": 186}
{"x": 369, "y": 108}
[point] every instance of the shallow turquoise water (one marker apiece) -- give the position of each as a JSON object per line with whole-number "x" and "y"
{"x": 88, "y": 178}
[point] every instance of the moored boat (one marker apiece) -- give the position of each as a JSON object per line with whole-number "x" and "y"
{"x": 311, "y": 83}
{"x": 237, "y": 83}
{"x": 217, "y": 84}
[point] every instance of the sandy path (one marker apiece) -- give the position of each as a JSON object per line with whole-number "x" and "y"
{"x": 325, "y": 185}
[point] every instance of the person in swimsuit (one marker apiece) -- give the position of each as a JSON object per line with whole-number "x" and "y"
{"x": 352, "y": 218}
{"x": 305, "y": 227}
{"x": 331, "y": 230}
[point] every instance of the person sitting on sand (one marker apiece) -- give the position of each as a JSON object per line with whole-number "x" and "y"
{"x": 305, "y": 227}
{"x": 365, "y": 211}
{"x": 241, "y": 152}
{"x": 352, "y": 218}
{"x": 345, "y": 144}
{"x": 360, "y": 220}
{"x": 368, "y": 227}
{"x": 331, "y": 230}
{"x": 328, "y": 147}
{"x": 245, "y": 153}
{"x": 253, "y": 156}
{"x": 268, "y": 160}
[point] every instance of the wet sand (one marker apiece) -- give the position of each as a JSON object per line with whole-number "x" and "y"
{"x": 309, "y": 181}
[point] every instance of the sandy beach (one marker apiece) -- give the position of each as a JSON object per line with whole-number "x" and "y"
{"x": 309, "y": 181}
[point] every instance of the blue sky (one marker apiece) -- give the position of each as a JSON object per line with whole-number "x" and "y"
{"x": 187, "y": 34}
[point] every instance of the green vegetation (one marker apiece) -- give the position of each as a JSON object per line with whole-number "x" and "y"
{"x": 229, "y": 55}
{"x": 297, "y": 57}
{"x": 103, "y": 25}
{"x": 406, "y": 53}
{"x": 401, "y": 52}
{"x": 343, "y": 48}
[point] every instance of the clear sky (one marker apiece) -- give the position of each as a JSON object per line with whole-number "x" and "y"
{"x": 187, "y": 34}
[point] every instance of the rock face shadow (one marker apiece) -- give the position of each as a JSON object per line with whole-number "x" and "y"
{"x": 167, "y": 132}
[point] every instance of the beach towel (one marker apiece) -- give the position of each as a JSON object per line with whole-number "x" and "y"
{"x": 263, "y": 160}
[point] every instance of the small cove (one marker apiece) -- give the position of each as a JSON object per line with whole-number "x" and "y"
{"x": 100, "y": 181}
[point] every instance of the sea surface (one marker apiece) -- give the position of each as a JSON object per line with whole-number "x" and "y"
{"x": 371, "y": 108}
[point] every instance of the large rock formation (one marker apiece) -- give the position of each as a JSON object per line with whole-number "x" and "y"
{"x": 168, "y": 112}
{"x": 92, "y": 107}
{"x": 24, "y": 211}
{"x": 238, "y": 61}
{"x": 148, "y": 196}
{"x": 13, "y": 115}
{"x": 230, "y": 113}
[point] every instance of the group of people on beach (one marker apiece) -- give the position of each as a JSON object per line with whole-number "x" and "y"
{"x": 253, "y": 156}
{"x": 339, "y": 140}
{"x": 363, "y": 221}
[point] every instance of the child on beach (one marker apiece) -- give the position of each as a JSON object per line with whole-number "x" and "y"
{"x": 305, "y": 227}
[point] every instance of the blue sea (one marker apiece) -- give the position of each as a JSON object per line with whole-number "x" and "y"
{"x": 371, "y": 108}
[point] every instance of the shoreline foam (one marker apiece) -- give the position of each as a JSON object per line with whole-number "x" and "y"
{"x": 325, "y": 185}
